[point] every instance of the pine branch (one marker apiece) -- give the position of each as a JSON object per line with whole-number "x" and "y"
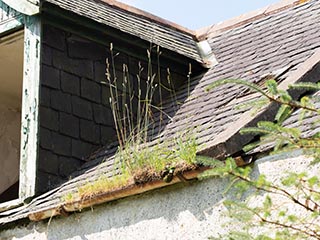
{"x": 278, "y": 190}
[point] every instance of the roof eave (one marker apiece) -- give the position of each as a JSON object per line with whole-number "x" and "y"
{"x": 187, "y": 47}
{"x": 27, "y": 7}
{"x": 133, "y": 189}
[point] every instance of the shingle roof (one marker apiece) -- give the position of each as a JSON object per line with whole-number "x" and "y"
{"x": 249, "y": 17}
{"x": 308, "y": 126}
{"x": 285, "y": 43}
{"x": 137, "y": 23}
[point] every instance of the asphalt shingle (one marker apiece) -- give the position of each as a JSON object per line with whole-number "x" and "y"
{"x": 144, "y": 26}
{"x": 283, "y": 40}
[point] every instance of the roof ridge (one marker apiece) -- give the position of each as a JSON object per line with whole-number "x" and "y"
{"x": 150, "y": 16}
{"x": 209, "y": 31}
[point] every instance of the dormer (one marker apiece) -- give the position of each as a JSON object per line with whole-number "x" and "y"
{"x": 54, "y": 104}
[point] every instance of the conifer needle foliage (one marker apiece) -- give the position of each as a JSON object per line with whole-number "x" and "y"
{"x": 290, "y": 208}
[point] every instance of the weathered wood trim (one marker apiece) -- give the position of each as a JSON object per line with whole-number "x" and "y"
{"x": 10, "y": 205}
{"x": 30, "y": 107}
{"x": 147, "y": 15}
{"x": 10, "y": 19}
{"x": 10, "y": 25}
{"x": 24, "y": 6}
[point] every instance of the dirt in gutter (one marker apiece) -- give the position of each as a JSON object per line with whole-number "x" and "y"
{"x": 108, "y": 196}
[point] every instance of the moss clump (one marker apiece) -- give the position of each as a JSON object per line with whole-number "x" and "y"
{"x": 103, "y": 184}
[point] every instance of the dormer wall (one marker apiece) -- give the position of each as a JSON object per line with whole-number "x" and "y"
{"x": 64, "y": 106}
{"x": 74, "y": 117}
{"x": 75, "y": 113}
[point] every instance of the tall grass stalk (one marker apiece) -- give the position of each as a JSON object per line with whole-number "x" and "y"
{"x": 131, "y": 124}
{"x": 133, "y": 111}
{"x": 139, "y": 159}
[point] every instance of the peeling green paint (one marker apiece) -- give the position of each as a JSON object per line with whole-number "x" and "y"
{"x": 35, "y": 109}
{"x": 30, "y": 107}
{"x": 37, "y": 48}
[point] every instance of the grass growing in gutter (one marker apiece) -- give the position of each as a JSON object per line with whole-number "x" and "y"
{"x": 146, "y": 165}
{"x": 139, "y": 160}
{"x": 103, "y": 184}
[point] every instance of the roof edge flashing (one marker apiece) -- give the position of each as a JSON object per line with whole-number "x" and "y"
{"x": 27, "y": 7}
{"x": 205, "y": 51}
{"x": 232, "y": 23}
{"x": 139, "y": 12}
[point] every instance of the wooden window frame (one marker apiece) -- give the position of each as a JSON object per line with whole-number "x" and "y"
{"x": 30, "y": 98}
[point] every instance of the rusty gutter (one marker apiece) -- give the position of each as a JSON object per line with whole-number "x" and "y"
{"x": 68, "y": 207}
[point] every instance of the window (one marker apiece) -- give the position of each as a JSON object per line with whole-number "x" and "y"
{"x": 11, "y": 77}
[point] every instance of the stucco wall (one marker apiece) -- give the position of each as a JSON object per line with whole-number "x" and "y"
{"x": 193, "y": 211}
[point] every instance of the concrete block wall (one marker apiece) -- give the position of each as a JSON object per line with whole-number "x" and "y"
{"x": 75, "y": 114}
